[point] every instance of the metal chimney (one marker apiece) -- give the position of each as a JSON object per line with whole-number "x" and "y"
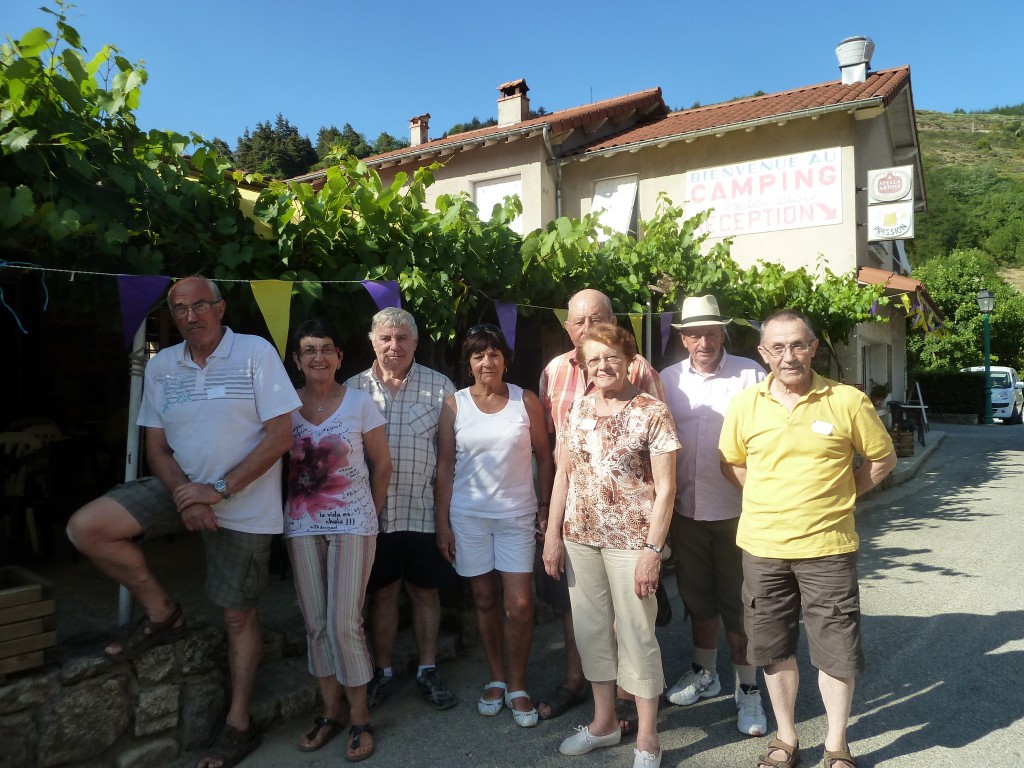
{"x": 854, "y": 55}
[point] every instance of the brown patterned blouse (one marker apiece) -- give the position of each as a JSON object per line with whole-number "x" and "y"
{"x": 611, "y": 485}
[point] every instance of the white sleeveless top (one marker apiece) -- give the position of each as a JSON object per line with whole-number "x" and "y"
{"x": 493, "y": 459}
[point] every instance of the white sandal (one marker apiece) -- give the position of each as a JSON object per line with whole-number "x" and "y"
{"x": 491, "y": 707}
{"x": 526, "y": 719}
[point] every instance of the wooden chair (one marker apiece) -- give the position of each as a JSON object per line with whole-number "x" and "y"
{"x": 16, "y": 450}
{"x": 46, "y": 432}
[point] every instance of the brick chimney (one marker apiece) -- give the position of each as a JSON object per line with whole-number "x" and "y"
{"x": 418, "y": 127}
{"x": 854, "y": 55}
{"x": 513, "y": 104}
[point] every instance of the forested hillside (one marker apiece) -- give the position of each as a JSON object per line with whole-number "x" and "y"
{"x": 974, "y": 176}
{"x": 972, "y": 236}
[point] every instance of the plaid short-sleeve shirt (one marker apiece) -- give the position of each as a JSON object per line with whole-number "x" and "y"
{"x": 412, "y": 418}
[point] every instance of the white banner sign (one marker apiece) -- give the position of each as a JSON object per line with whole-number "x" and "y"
{"x": 770, "y": 194}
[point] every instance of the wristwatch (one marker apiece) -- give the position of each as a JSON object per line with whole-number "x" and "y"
{"x": 221, "y": 487}
{"x": 653, "y": 547}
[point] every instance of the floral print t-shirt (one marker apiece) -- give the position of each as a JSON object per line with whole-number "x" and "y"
{"x": 611, "y": 485}
{"x": 328, "y": 478}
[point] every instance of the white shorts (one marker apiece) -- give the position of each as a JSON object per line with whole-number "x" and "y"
{"x": 485, "y": 544}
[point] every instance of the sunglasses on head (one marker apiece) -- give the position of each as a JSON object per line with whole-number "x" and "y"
{"x": 483, "y": 328}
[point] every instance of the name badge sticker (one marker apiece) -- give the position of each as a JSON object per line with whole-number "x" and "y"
{"x": 588, "y": 424}
{"x": 821, "y": 427}
{"x": 214, "y": 393}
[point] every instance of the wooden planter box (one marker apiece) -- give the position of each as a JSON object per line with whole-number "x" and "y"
{"x": 27, "y": 620}
{"x": 903, "y": 443}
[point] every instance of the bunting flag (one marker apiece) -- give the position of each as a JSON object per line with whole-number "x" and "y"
{"x": 562, "y": 315}
{"x": 636, "y": 320}
{"x": 138, "y": 294}
{"x": 922, "y": 316}
{"x": 384, "y": 293}
{"x": 666, "y": 330}
{"x": 274, "y": 298}
{"x": 507, "y": 318}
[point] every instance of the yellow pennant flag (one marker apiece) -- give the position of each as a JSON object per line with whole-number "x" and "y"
{"x": 562, "y": 315}
{"x": 635, "y": 321}
{"x": 274, "y": 298}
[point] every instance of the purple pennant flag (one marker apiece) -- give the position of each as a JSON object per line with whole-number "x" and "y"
{"x": 666, "y": 330}
{"x": 384, "y": 294}
{"x": 138, "y": 294}
{"x": 507, "y": 318}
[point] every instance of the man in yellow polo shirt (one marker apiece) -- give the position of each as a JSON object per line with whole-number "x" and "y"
{"x": 788, "y": 444}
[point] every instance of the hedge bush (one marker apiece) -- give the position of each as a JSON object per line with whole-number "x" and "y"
{"x": 952, "y": 392}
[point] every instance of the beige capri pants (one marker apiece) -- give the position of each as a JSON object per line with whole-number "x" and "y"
{"x": 601, "y": 592}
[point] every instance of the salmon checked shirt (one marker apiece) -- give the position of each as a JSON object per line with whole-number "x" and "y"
{"x": 562, "y": 381}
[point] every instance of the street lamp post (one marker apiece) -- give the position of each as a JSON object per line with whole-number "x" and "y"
{"x": 986, "y": 303}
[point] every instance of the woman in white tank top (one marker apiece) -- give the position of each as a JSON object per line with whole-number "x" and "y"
{"x": 487, "y": 510}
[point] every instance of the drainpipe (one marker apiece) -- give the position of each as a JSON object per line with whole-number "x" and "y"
{"x": 558, "y": 173}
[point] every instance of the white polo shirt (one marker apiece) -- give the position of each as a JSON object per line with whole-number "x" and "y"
{"x": 213, "y": 418}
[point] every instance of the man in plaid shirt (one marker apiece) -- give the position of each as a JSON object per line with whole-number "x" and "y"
{"x": 410, "y": 396}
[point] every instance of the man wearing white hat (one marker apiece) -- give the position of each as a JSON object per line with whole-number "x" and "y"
{"x": 709, "y": 568}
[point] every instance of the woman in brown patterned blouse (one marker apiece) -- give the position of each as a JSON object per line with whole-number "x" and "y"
{"x": 610, "y": 512}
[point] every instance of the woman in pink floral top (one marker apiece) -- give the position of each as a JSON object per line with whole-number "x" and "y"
{"x": 338, "y": 476}
{"x": 610, "y": 512}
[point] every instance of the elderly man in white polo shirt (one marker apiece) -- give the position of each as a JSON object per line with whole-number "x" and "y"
{"x": 709, "y": 568}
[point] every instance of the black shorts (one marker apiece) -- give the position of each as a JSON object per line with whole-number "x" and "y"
{"x": 412, "y": 556}
{"x": 554, "y": 592}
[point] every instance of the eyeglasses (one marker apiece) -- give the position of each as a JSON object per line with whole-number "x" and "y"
{"x": 328, "y": 350}
{"x": 797, "y": 348}
{"x": 594, "y": 362}
{"x": 200, "y": 307}
{"x": 483, "y": 328}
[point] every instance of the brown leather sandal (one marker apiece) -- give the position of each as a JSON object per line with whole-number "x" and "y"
{"x": 792, "y": 755}
{"x": 355, "y": 743}
{"x": 840, "y": 756}
{"x": 232, "y": 745}
{"x": 146, "y": 634}
{"x": 324, "y": 729}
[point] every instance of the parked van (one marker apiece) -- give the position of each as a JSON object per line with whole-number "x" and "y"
{"x": 1007, "y": 394}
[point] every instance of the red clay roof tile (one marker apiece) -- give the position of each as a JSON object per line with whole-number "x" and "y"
{"x": 882, "y": 86}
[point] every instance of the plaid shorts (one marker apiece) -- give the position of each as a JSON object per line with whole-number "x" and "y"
{"x": 237, "y": 563}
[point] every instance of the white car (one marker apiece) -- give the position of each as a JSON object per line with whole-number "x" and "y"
{"x": 1007, "y": 394}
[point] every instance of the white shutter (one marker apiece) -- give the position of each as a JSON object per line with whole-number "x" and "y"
{"x": 615, "y": 198}
{"x": 487, "y": 194}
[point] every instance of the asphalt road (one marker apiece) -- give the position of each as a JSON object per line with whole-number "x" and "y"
{"x": 942, "y": 585}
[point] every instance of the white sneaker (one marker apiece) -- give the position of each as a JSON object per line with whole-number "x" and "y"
{"x": 694, "y": 686}
{"x": 752, "y": 720}
{"x": 646, "y": 759}
{"x": 584, "y": 741}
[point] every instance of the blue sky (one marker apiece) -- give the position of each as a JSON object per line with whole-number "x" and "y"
{"x": 216, "y": 67}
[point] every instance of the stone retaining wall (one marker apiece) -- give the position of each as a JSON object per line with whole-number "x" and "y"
{"x": 86, "y": 711}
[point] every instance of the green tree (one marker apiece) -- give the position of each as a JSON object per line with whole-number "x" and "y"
{"x": 81, "y": 187}
{"x": 328, "y": 138}
{"x": 385, "y": 142}
{"x": 954, "y": 283}
{"x": 276, "y": 150}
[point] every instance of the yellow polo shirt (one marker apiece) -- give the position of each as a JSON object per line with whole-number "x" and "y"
{"x": 799, "y": 493}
